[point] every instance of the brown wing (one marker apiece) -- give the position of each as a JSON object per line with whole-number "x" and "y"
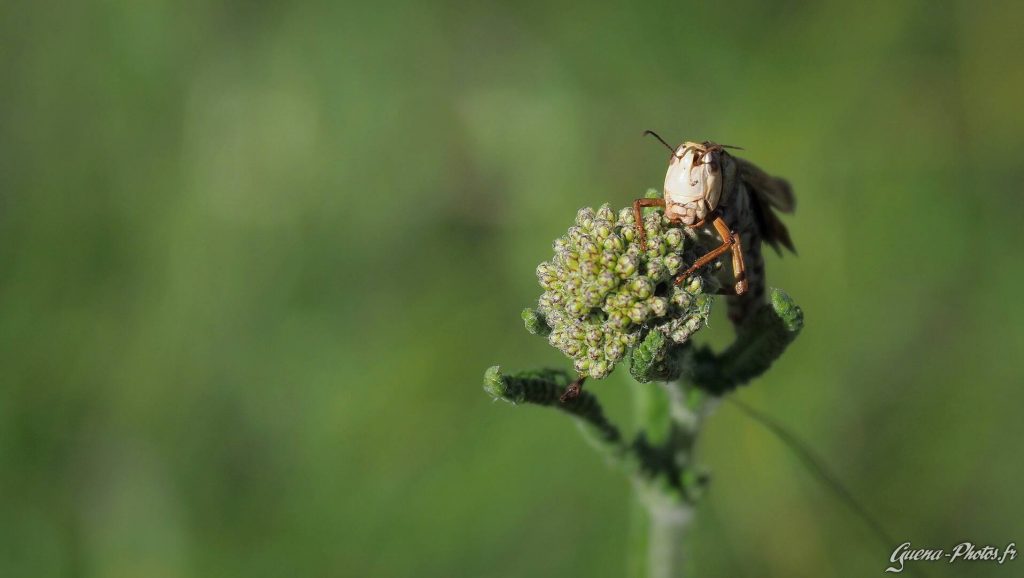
{"x": 768, "y": 195}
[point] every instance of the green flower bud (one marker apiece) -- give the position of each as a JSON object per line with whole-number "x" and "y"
{"x": 653, "y": 223}
{"x": 658, "y": 305}
{"x": 639, "y": 312}
{"x": 592, "y": 296}
{"x": 560, "y": 246}
{"x": 576, "y": 307}
{"x": 673, "y": 263}
{"x": 613, "y": 244}
{"x": 548, "y": 276}
{"x": 652, "y": 232}
{"x": 555, "y": 337}
{"x": 620, "y": 300}
{"x": 626, "y": 265}
{"x": 643, "y": 287}
{"x": 656, "y": 248}
{"x": 602, "y": 291}
{"x": 673, "y": 238}
{"x": 572, "y": 285}
{"x": 695, "y": 285}
{"x": 681, "y": 298}
{"x": 618, "y": 320}
{"x": 574, "y": 234}
{"x": 570, "y": 348}
{"x": 588, "y": 269}
{"x": 585, "y": 217}
{"x": 629, "y": 233}
{"x": 614, "y": 351}
{"x": 656, "y": 270}
{"x": 685, "y": 328}
{"x": 535, "y": 322}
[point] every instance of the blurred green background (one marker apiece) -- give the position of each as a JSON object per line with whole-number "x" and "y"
{"x": 255, "y": 257}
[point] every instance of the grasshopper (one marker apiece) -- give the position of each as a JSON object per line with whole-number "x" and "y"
{"x": 705, "y": 185}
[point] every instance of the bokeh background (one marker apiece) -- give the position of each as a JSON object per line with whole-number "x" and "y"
{"x": 255, "y": 257}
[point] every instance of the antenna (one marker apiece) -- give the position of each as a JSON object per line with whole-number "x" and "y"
{"x": 655, "y": 135}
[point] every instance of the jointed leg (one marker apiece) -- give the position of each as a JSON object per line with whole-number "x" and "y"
{"x": 739, "y": 268}
{"x": 638, "y": 217}
{"x": 572, "y": 391}
{"x": 730, "y": 241}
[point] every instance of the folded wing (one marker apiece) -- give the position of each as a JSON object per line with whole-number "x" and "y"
{"x": 769, "y": 194}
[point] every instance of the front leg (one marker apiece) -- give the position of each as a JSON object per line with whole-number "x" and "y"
{"x": 731, "y": 241}
{"x": 638, "y": 217}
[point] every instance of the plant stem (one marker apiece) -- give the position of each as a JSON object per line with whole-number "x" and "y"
{"x": 666, "y": 556}
{"x": 658, "y": 535}
{"x": 669, "y": 418}
{"x": 668, "y": 415}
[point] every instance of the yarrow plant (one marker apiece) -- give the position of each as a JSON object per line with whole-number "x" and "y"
{"x": 602, "y": 290}
{"x": 607, "y": 299}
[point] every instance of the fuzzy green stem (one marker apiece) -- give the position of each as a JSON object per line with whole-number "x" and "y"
{"x": 658, "y": 537}
{"x": 758, "y": 344}
{"x": 669, "y": 415}
{"x": 544, "y": 387}
{"x": 678, "y": 386}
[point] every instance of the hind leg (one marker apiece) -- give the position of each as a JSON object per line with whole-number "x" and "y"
{"x": 730, "y": 242}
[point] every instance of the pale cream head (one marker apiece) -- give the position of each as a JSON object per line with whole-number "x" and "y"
{"x": 693, "y": 183}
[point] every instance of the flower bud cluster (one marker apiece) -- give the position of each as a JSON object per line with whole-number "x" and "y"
{"x": 602, "y": 290}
